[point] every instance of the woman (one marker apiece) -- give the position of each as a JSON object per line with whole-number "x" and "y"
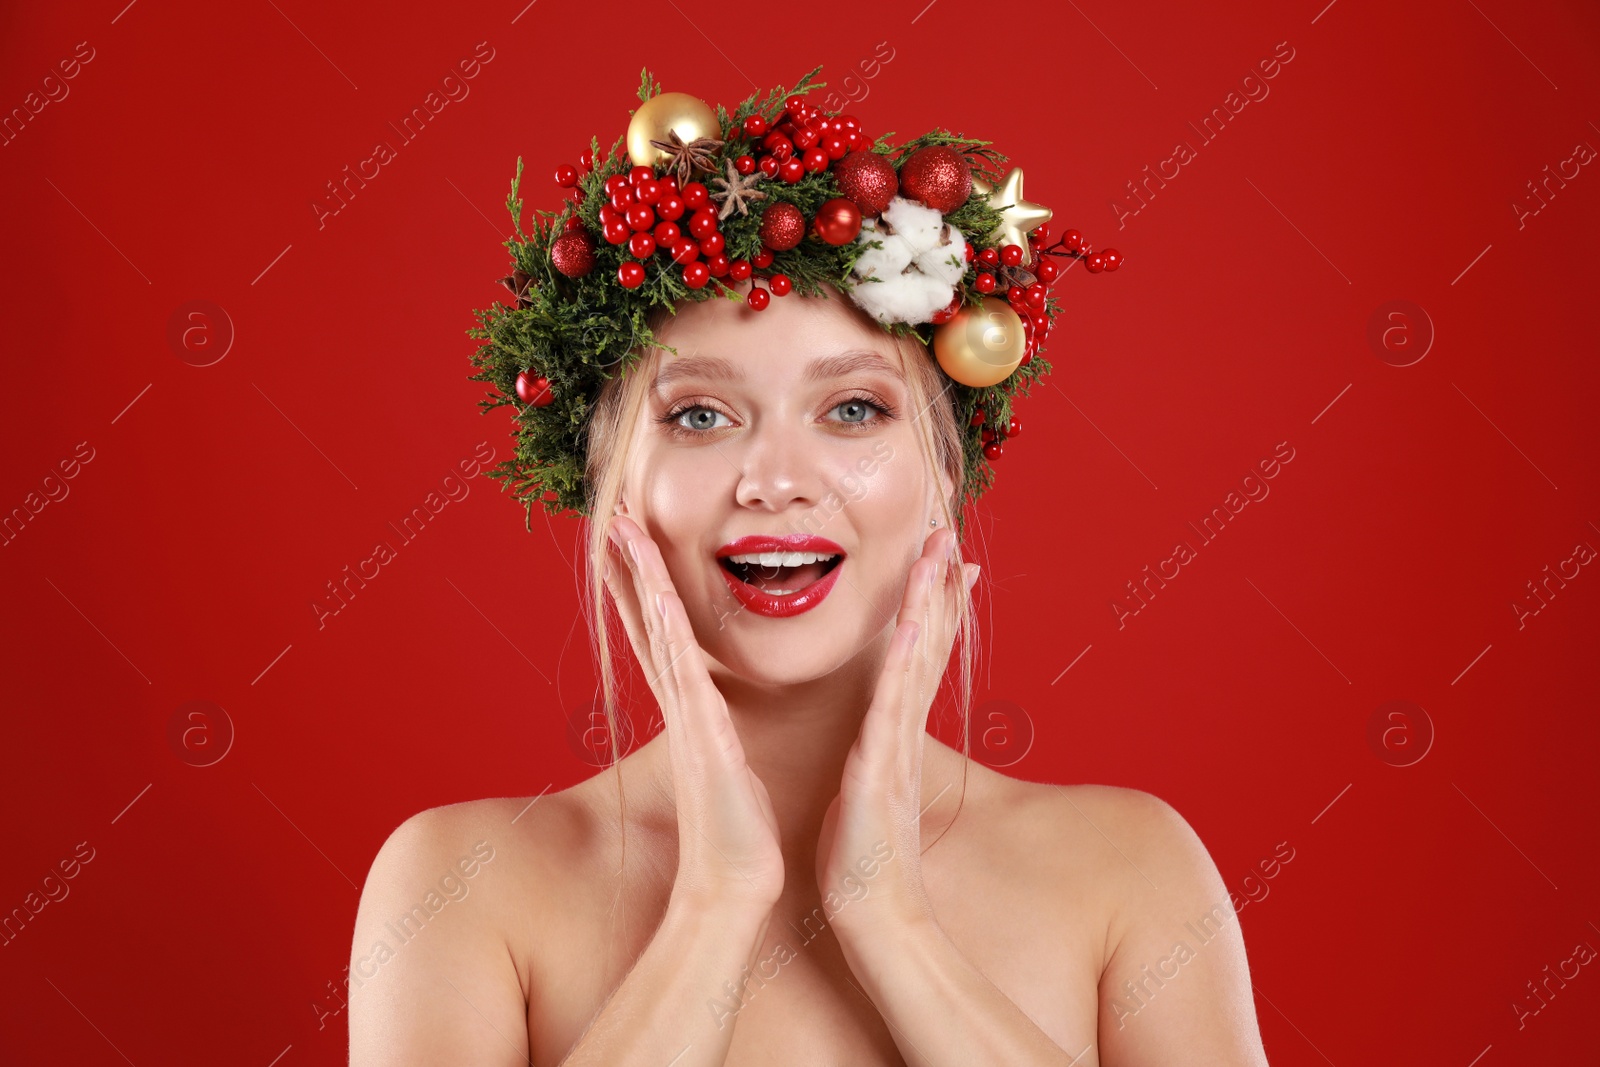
{"x": 793, "y": 870}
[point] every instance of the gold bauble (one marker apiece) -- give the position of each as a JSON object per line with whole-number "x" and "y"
{"x": 1018, "y": 217}
{"x": 982, "y": 344}
{"x": 690, "y": 117}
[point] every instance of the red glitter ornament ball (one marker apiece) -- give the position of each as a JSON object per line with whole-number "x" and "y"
{"x": 937, "y": 175}
{"x": 573, "y": 253}
{"x": 869, "y": 179}
{"x": 838, "y": 221}
{"x": 782, "y": 226}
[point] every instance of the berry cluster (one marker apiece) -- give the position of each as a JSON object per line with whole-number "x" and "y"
{"x": 805, "y": 140}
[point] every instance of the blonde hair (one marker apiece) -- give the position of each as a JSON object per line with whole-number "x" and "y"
{"x": 611, "y": 435}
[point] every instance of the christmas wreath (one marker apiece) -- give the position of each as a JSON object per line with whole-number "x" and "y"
{"x": 928, "y": 237}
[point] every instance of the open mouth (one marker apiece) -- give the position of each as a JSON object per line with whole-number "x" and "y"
{"x": 780, "y": 573}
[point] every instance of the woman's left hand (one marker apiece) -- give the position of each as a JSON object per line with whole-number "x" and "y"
{"x": 869, "y": 853}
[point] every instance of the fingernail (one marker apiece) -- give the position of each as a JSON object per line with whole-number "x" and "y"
{"x": 633, "y": 550}
{"x": 661, "y": 606}
{"x": 950, "y": 549}
{"x": 972, "y": 577}
{"x": 933, "y": 572}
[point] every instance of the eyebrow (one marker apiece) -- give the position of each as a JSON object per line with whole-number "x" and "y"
{"x": 821, "y": 369}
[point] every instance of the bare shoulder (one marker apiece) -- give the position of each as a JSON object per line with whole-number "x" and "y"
{"x": 451, "y": 890}
{"x": 1176, "y": 980}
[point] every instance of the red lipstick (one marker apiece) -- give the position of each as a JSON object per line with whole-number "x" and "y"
{"x": 769, "y": 604}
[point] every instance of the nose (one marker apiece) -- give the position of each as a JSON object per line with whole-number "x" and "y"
{"x": 777, "y": 469}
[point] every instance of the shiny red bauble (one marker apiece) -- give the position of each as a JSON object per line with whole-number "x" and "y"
{"x": 782, "y": 226}
{"x": 534, "y": 389}
{"x": 573, "y": 254}
{"x": 838, "y": 221}
{"x": 937, "y": 175}
{"x": 869, "y": 179}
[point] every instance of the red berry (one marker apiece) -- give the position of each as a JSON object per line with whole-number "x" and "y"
{"x": 994, "y": 450}
{"x": 1113, "y": 258}
{"x": 566, "y": 175}
{"x": 695, "y": 275}
{"x": 694, "y": 195}
{"x": 1095, "y": 262}
{"x": 754, "y": 126}
{"x": 984, "y": 283}
{"x": 642, "y": 245}
{"x": 836, "y": 145}
{"x": 778, "y": 146}
{"x": 609, "y": 214}
{"x": 648, "y": 191}
{"x": 781, "y": 284}
{"x": 846, "y": 122}
{"x": 717, "y": 264}
{"x": 977, "y": 418}
{"x": 573, "y": 224}
{"x": 1033, "y": 296}
{"x": 623, "y": 199}
{"x": 616, "y": 232}
{"x": 670, "y": 207}
{"x": 972, "y": 253}
{"x": 762, "y": 259}
{"x": 739, "y": 270}
{"x": 759, "y": 298}
{"x": 792, "y": 170}
{"x": 988, "y": 435}
{"x": 713, "y": 243}
{"x": 685, "y": 251}
{"x": 630, "y": 275}
{"x": 1013, "y": 428}
{"x": 1041, "y": 234}
{"x": 614, "y": 184}
{"x": 1072, "y": 241}
{"x": 769, "y": 166}
{"x": 1027, "y": 358}
{"x": 640, "y": 217}
{"x": 1011, "y": 255}
{"x": 639, "y": 174}
{"x": 1046, "y": 270}
{"x": 816, "y": 160}
{"x": 745, "y": 164}
{"x": 586, "y": 162}
{"x": 703, "y": 223}
{"x": 666, "y": 234}
{"x": 806, "y": 139}
{"x": 989, "y": 257}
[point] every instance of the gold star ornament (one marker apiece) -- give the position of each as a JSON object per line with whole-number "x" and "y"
{"x": 1017, "y": 216}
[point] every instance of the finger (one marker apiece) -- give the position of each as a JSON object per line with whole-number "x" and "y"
{"x": 698, "y": 706}
{"x": 881, "y": 727}
{"x": 643, "y": 616}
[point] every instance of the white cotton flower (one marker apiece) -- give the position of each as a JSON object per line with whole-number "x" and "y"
{"x": 919, "y": 266}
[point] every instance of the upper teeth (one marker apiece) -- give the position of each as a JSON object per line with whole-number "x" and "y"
{"x": 781, "y": 559}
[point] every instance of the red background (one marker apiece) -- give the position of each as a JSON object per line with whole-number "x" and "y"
{"x": 1382, "y": 566}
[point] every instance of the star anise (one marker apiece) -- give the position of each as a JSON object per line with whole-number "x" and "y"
{"x": 519, "y": 283}
{"x": 686, "y": 157}
{"x": 737, "y": 191}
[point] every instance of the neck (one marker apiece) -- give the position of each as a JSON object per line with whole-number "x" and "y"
{"x": 796, "y": 738}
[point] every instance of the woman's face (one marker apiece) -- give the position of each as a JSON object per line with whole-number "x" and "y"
{"x": 793, "y": 420}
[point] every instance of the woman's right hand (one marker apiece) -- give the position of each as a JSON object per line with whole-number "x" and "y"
{"x": 728, "y": 844}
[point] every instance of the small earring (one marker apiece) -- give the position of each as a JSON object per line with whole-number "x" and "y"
{"x": 933, "y": 522}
